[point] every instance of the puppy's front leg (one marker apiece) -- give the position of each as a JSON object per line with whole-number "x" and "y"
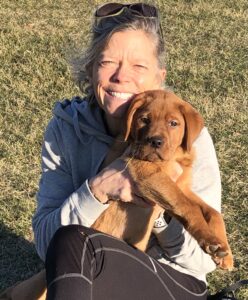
{"x": 158, "y": 187}
{"x": 217, "y": 226}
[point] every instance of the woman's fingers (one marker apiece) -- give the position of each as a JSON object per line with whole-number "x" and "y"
{"x": 115, "y": 183}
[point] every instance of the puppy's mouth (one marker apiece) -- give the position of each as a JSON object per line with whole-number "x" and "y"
{"x": 153, "y": 157}
{"x": 146, "y": 153}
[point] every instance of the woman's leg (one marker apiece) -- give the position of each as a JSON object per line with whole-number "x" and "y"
{"x": 85, "y": 264}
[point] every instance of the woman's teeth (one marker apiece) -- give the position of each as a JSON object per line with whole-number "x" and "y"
{"x": 124, "y": 96}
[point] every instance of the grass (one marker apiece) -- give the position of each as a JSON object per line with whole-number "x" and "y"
{"x": 206, "y": 63}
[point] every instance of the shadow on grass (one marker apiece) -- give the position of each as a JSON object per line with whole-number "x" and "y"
{"x": 18, "y": 258}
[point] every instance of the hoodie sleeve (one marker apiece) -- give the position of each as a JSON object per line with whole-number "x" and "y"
{"x": 58, "y": 204}
{"x": 178, "y": 246}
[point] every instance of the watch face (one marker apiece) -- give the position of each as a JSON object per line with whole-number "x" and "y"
{"x": 160, "y": 222}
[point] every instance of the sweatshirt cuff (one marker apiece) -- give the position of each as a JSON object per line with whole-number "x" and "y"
{"x": 169, "y": 233}
{"x": 90, "y": 207}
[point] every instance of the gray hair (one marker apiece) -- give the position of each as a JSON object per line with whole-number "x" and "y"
{"x": 103, "y": 30}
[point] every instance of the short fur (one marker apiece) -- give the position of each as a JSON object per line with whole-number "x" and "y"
{"x": 157, "y": 147}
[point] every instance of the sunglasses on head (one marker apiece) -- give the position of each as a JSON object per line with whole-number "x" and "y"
{"x": 138, "y": 9}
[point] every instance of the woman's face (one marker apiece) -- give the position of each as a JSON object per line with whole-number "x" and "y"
{"x": 126, "y": 67}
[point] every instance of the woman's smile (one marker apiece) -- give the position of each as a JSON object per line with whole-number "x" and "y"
{"x": 120, "y": 95}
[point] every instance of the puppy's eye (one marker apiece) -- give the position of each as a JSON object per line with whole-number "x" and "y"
{"x": 173, "y": 123}
{"x": 145, "y": 120}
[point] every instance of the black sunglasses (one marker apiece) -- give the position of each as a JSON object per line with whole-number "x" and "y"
{"x": 138, "y": 9}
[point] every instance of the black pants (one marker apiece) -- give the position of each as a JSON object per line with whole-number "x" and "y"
{"x": 85, "y": 264}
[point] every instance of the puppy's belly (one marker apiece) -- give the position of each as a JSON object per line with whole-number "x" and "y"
{"x": 125, "y": 221}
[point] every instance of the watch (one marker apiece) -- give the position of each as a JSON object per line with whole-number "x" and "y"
{"x": 161, "y": 221}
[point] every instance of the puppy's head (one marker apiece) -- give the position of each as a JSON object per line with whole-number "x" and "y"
{"x": 158, "y": 122}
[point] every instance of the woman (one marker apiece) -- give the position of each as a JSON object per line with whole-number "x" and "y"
{"x": 125, "y": 58}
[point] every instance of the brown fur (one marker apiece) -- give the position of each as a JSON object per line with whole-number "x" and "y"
{"x": 153, "y": 166}
{"x": 154, "y": 171}
{"x": 33, "y": 288}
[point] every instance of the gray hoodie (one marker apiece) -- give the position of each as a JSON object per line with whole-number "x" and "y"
{"x": 75, "y": 144}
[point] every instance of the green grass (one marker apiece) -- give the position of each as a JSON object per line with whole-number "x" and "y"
{"x": 207, "y": 65}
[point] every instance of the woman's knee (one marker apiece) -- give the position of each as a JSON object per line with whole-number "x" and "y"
{"x": 67, "y": 243}
{"x": 66, "y": 236}
{"x": 65, "y": 251}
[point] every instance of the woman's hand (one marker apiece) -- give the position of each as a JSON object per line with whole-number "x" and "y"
{"x": 115, "y": 183}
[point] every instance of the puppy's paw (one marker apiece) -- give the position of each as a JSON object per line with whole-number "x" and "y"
{"x": 225, "y": 263}
{"x": 217, "y": 250}
{"x": 214, "y": 247}
{"x": 221, "y": 254}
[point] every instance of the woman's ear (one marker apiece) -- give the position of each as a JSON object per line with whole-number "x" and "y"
{"x": 163, "y": 74}
{"x": 161, "y": 77}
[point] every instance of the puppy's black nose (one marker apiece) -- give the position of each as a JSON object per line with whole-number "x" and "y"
{"x": 155, "y": 141}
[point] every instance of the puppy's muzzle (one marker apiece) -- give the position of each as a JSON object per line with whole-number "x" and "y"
{"x": 155, "y": 141}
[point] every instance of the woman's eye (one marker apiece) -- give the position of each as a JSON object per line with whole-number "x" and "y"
{"x": 106, "y": 62}
{"x": 173, "y": 123}
{"x": 140, "y": 66}
{"x": 145, "y": 120}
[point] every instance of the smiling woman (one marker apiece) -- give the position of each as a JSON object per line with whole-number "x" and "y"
{"x": 124, "y": 58}
{"x": 127, "y": 67}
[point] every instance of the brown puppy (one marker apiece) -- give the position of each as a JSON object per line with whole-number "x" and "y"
{"x": 161, "y": 129}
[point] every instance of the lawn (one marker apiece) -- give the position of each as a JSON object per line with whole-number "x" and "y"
{"x": 207, "y": 57}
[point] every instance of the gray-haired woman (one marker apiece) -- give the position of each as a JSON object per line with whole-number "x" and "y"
{"x": 125, "y": 58}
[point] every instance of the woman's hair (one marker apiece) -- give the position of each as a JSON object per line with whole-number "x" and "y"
{"x": 103, "y": 30}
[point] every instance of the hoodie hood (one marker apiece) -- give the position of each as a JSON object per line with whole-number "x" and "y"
{"x": 86, "y": 119}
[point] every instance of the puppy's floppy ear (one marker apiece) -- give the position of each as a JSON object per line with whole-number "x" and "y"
{"x": 193, "y": 125}
{"x": 137, "y": 102}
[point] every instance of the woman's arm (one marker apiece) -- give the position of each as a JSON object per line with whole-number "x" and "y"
{"x": 61, "y": 201}
{"x": 179, "y": 247}
{"x": 58, "y": 203}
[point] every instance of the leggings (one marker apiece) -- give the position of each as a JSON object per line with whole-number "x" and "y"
{"x": 83, "y": 263}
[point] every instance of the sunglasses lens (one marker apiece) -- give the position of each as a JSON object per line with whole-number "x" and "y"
{"x": 144, "y": 9}
{"x": 108, "y": 9}
{"x": 140, "y": 9}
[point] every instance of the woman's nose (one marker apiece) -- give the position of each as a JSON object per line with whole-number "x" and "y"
{"x": 121, "y": 74}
